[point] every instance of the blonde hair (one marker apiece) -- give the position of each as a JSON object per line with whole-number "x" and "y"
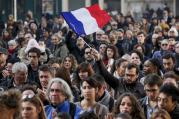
{"x": 160, "y": 113}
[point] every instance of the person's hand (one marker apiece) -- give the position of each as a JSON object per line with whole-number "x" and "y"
{"x": 41, "y": 94}
{"x": 5, "y": 73}
{"x": 96, "y": 54}
{"x": 109, "y": 116}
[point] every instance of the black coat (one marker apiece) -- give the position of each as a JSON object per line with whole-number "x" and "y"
{"x": 175, "y": 113}
{"x": 120, "y": 85}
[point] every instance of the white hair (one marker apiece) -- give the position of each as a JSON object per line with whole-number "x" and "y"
{"x": 174, "y": 30}
{"x": 65, "y": 88}
{"x": 12, "y": 42}
{"x": 19, "y": 66}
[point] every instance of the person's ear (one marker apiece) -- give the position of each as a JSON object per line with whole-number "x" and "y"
{"x": 39, "y": 109}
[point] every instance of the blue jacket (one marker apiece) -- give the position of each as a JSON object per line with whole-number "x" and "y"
{"x": 64, "y": 107}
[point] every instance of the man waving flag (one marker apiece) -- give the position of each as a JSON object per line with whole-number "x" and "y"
{"x": 88, "y": 20}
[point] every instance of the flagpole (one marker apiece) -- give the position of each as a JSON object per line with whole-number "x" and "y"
{"x": 88, "y": 44}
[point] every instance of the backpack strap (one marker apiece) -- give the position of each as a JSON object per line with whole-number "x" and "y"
{"x": 72, "y": 110}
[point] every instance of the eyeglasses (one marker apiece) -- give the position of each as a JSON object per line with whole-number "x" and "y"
{"x": 28, "y": 96}
{"x": 150, "y": 90}
{"x": 164, "y": 44}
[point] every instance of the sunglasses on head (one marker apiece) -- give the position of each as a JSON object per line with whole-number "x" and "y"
{"x": 28, "y": 96}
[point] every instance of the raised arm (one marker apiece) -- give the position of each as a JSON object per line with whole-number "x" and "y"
{"x": 109, "y": 78}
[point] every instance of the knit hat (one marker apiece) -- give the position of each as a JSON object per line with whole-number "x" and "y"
{"x": 3, "y": 51}
{"x": 32, "y": 43}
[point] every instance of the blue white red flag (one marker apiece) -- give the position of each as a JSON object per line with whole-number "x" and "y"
{"x": 85, "y": 21}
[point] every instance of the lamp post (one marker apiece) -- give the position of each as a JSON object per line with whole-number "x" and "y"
{"x": 15, "y": 10}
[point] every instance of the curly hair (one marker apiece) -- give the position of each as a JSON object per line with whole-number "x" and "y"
{"x": 136, "y": 113}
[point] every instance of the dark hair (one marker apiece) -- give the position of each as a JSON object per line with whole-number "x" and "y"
{"x": 168, "y": 56}
{"x": 10, "y": 99}
{"x": 35, "y": 50}
{"x": 46, "y": 68}
{"x": 91, "y": 81}
{"x": 115, "y": 51}
{"x": 88, "y": 115}
{"x": 119, "y": 62}
{"x": 73, "y": 61}
{"x": 139, "y": 45}
{"x": 171, "y": 74}
{"x": 155, "y": 62}
{"x": 99, "y": 80}
{"x": 55, "y": 60}
{"x": 139, "y": 54}
{"x": 64, "y": 74}
{"x": 170, "y": 90}
{"x": 153, "y": 79}
{"x": 20, "y": 41}
{"x": 137, "y": 112}
{"x": 141, "y": 32}
{"x": 28, "y": 87}
{"x": 85, "y": 67}
{"x": 132, "y": 65}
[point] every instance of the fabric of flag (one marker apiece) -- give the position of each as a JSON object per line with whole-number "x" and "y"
{"x": 88, "y": 20}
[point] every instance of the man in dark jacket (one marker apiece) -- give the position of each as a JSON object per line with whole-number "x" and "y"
{"x": 168, "y": 100}
{"x": 33, "y": 74}
{"x": 129, "y": 83}
{"x": 152, "y": 83}
{"x": 19, "y": 71}
{"x": 103, "y": 96}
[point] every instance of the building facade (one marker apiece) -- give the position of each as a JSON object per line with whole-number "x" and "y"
{"x": 19, "y": 7}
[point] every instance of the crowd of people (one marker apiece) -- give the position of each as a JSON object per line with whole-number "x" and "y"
{"x": 127, "y": 70}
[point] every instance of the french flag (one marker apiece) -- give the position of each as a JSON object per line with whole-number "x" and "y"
{"x": 85, "y": 21}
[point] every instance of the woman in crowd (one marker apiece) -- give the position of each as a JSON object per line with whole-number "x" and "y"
{"x": 127, "y": 103}
{"x": 84, "y": 70}
{"x": 89, "y": 90}
{"x": 151, "y": 66}
{"x": 110, "y": 56}
{"x": 160, "y": 114}
{"x": 69, "y": 62}
{"x": 102, "y": 49}
{"x": 141, "y": 49}
{"x": 136, "y": 58}
{"x": 32, "y": 107}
